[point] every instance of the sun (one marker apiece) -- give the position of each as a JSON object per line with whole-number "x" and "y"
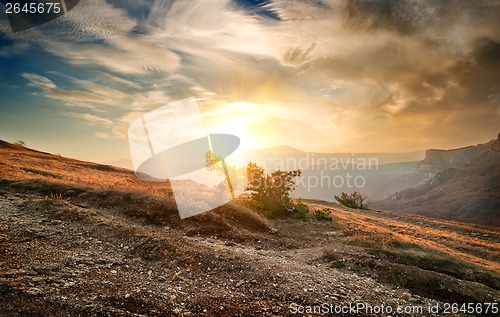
{"x": 243, "y": 106}
{"x": 237, "y": 127}
{"x": 234, "y": 118}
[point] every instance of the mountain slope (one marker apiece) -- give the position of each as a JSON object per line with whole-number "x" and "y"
{"x": 470, "y": 193}
{"x": 435, "y": 161}
{"x": 82, "y": 239}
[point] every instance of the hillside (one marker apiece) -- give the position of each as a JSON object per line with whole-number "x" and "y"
{"x": 465, "y": 191}
{"x": 435, "y": 161}
{"x": 78, "y": 238}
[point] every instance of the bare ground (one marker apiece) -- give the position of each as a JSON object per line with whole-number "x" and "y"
{"x": 72, "y": 256}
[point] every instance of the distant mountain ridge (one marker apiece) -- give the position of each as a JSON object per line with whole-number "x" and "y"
{"x": 468, "y": 193}
{"x": 438, "y": 160}
{"x": 435, "y": 161}
{"x": 283, "y": 152}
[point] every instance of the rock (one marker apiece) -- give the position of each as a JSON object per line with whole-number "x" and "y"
{"x": 176, "y": 277}
{"x": 273, "y": 231}
{"x": 34, "y": 291}
{"x": 240, "y": 283}
{"x": 334, "y": 234}
{"x": 406, "y": 295}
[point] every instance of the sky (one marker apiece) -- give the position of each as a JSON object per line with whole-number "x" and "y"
{"x": 323, "y": 76}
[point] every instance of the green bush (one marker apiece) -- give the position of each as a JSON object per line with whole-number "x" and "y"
{"x": 354, "y": 200}
{"x": 301, "y": 210}
{"x": 271, "y": 192}
{"x": 323, "y": 214}
{"x": 20, "y": 143}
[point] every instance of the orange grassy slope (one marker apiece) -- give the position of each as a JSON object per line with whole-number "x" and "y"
{"x": 17, "y": 162}
{"x": 469, "y": 242}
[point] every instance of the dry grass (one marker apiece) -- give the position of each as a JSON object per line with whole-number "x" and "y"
{"x": 112, "y": 188}
{"x": 119, "y": 187}
{"x": 20, "y": 163}
{"x": 472, "y": 243}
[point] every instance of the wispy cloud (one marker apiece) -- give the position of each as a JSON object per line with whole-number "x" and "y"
{"x": 73, "y": 37}
{"x": 50, "y": 90}
{"x": 87, "y": 117}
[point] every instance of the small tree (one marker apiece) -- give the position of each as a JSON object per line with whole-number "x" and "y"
{"x": 323, "y": 214}
{"x": 235, "y": 176}
{"x": 354, "y": 200}
{"x": 271, "y": 192}
{"x": 20, "y": 143}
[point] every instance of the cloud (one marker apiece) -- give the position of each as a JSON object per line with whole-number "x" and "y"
{"x": 297, "y": 56}
{"x": 122, "y": 55}
{"x": 39, "y": 81}
{"x": 117, "y": 132}
{"x": 73, "y": 37}
{"x": 120, "y": 127}
{"x": 87, "y": 117}
{"x": 50, "y": 90}
{"x": 403, "y": 65}
{"x": 118, "y": 81}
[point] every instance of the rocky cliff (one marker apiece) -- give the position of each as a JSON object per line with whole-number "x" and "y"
{"x": 469, "y": 193}
{"x": 435, "y": 162}
{"x": 438, "y": 160}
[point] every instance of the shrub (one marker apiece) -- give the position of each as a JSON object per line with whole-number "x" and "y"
{"x": 20, "y": 143}
{"x": 271, "y": 192}
{"x": 354, "y": 200}
{"x": 301, "y": 210}
{"x": 323, "y": 214}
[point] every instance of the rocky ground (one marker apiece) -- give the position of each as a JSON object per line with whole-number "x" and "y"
{"x": 59, "y": 258}
{"x": 83, "y": 239}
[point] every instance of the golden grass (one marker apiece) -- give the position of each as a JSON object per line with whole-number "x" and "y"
{"x": 18, "y": 163}
{"x": 385, "y": 228}
{"x": 392, "y": 229}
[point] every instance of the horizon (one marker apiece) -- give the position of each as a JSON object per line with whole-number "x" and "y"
{"x": 128, "y": 162}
